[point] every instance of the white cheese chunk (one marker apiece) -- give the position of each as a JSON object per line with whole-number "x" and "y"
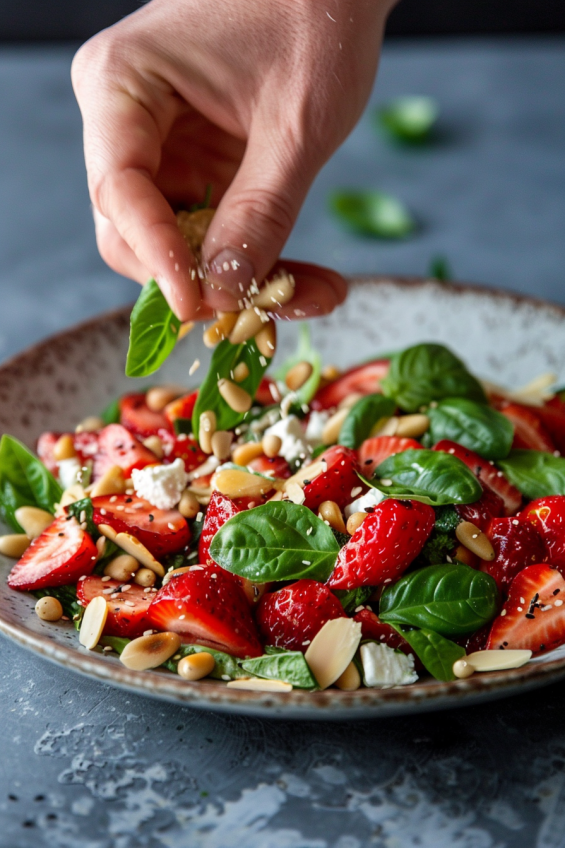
{"x": 161, "y": 485}
{"x": 383, "y": 666}
{"x": 69, "y": 472}
{"x": 291, "y": 433}
{"x": 315, "y": 427}
{"x": 372, "y": 498}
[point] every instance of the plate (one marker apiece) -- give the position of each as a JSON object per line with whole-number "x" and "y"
{"x": 502, "y": 337}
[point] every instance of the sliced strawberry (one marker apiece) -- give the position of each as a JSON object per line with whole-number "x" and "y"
{"x": 384, "y": 545}
{"x": 373, "y": 628}
{"x": 85, "y": 445}
{"x": 339, "y": 482}
{"x": 162, "y": 531}
{"x": 516, "y": 544}
{"x": 547, "y": 515}
{"x": 182, "y": 447}
{"x": 374, "y": 451}
{"x": 533, "y": 617}
{"x": 476, "y": 641}
{"x": 529, "y": 432}
{"x": 489, "y": 506}
{"x": 207, "y": 607}
{"x": 182, "y": 407}
{"x": 138, "y": 418}
{"x": 291, "y": 617}
{"x": 267, "y": 394}
{"x": 127, "y": 607}
{"x": 62, "y": 554}
{"x": 276, "y": 466}
{"x": 117, "y": 446}
{"x": 363, "y": 380}
{"x": 487, "y": 473}
{"x": 220, "y": 509}
{"x": 552, "y": 416}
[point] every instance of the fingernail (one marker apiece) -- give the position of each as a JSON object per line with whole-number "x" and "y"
{"x": 232, "y": 272}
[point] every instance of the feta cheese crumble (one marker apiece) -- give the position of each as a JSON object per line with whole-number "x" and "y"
{"x": 69, "y": 472}
{"x": 383, "y": 666}
{"x": 161, "y": 485}
{"x": 291, "y": 433}
{"x": 372, "y": 498}
{"x": 315, "y": 427}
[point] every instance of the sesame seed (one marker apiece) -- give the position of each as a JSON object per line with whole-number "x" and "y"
{"x": 107, "y": 648}
{"x": 503, "y": 613}
{"x": 558, "y": 603}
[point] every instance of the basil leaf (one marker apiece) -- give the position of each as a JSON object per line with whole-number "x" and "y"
{"x": 372, "y": 213}
{"x": 289, "y": 666}
{"x": 279, "y": 540}
{"x": 304, "y": 353}
{"x": 350, "y": 599}
{"x": 67, "y": 596}
{"x": 84, "y": 510}
{"x": 535, "y": 473}
{"x": 226, "y": 668}
{"x": 409, "y": 119}
{"x": 433, "y": 477}
{"x": 440, "y": 269}
{"x": 427, "y": 372}
{"x": 450, "y": 599}
{"x": 436, "y": 653}
{"x": 362, "y": 417}
{"x": 154, "y": 330}
{"x": 225, "y": 359}
{"x": 111, "y": 414}
{"x": 476, "y": 426}
{"x": 24, "y": 481}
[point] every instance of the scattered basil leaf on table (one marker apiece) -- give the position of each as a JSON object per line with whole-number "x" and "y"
{"x": 426, "y": 372}
{"x": 436, "y": 653}
{"x": 24, "y": 481}
{"x": 83, "y": 511}
{"x": 279, "y": 540}
{"x": 450, "y": 599}
{"x": 372, "y": 213}
{"x": 154, "y": 330}
{"x": 440, "y": 269}
{"x": 362, "y": 417}
{"x": 433, "y": 477}
{"x": 289, "y": 666}
{"x": 535, "y": 473}
{"x": 476, "y": 426}
{"x": 350, "y": 599}
{"x": 305, "y": 352}
{"x": 226, "y": 667}
{"x": 67, "y": 596}
{"x": 409, "y": 119}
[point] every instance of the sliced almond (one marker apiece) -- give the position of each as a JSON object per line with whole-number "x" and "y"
{"x": 133, "y": 546}
{"x": 108, "y": 532}
{"x": 294, "y": 492}
{"x": 33, "y": 520}
{"x": 150, "y": 651}
{"x": 93, "y": 622}
{"x": 257, "y": 685}
{"x": 332, "y": 649}
{"x": 498, "y": 660}
{"x": 112, "y": 482}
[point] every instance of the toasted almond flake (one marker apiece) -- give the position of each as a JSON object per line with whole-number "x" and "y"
{"x": 294, "y": 491}
{"x": 150, "y": 651}
{"x": 498, "y": 660}
{"x": 332, "y": 649}
{"x": 257, "y": 685}
{"x": 93, "y": 622}
{"x": 134, "y": 547}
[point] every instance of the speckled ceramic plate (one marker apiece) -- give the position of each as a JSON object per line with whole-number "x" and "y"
{"x": 504, "y": 338}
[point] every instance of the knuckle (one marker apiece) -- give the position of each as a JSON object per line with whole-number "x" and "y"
{"x": 265, "y": 209}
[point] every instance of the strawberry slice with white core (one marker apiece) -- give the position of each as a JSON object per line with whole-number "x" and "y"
{"x": 127, "y": 604}
{"x": 363, "y": 380}
{"x": 117, "y": 446}
{"x": 63, "y": 553}
{"x": 162, "y": 531}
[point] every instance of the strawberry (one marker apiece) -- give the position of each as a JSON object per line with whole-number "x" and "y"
{"x": 337, "y": 482}
{"x": 529, "y": 432}
{"x": 45, "y": 447}
{"x": 487, "y": 473}
{"x": 220, "y": 509}
{"x": 62, "y": 554}
{"x": 364, "y": 380}
{"x": 85, "y": 445}
{"x": 291, "y": 616}
{"x": 127, "y": 607}
{"x": 476, "y": 641}
{"x": 375, "y": 450}
{"x": 552, "y": 416}
{"x": 373, "y": 628}
{"x": 117, "y": 446}
{"x": 547, "y": 515}
{"x": 384, "y": 545}
{"x": 182, "y": 407}
{"x": 490, "y": 505}
{"x": 207, "y": 607}
{"x": 267, "y": 394}
{"x": 533, "y": 617}
{"x": 516, "y": 544}
{"x": 276, "y": 466}
{"x": 162, "y": 531}
{"x": 182, "y": 447}
{"x": 138, "y": 418}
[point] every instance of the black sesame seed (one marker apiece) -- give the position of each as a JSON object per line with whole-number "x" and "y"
{"x": 529, "y": 615}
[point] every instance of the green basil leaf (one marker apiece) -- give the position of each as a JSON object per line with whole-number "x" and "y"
{"x": 350, "y": 599}
{"x": 362, "y": 417}
{"x": 226, "y": 668}
{"x": 426, "y": 372}
{"x": 225, "y": 359}
{"x": 289, "y": 666}
{"x": 182, "y": 425}
{"x": 117, "y": 643}
{"x": 372, "y": 213}
{"x": 24, "y": 481}
{"x": 436, "y": 653}
{"x": 476, "y": 426}
{"x": 535, "y": 473}
{"x": 439, "y": 477}
{"x": 304, "y": 353}
{"x": 450, "y": 599}
{"x": 111, "y": 414}
{"x": 154, "y": 330}
{"x": 409, "y": 119}
{"x": 67, "y": 596}
{"x": 279, "y": 540}
{"x": 83, "y": 511}
{"x": 440, "y": 269}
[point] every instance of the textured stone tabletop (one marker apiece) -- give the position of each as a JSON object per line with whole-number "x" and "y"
{"x": 82, "y": 764}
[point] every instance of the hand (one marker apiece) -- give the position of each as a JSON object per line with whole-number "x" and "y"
{"x": 250, "y": 96}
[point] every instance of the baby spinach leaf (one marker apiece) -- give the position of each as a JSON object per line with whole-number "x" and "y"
{"x": 67, "y": 596}
{"x": 83, "y": 511}
{"x": 450, "y": 599}
{"x": 276, "y": 541}
{"x": 154, "y": 330}
{"x": 436, "y": 653}
{"x": 289, "y": 666}
{"x": 350, "y": 599}
{"x": 372, "y": 213}
{"x": 427, "y": 372}
{"x": 24, "y": 481}
{"x": 305, "y": 352}
{"x": 362, "y": 417}
{"x": 476, "y": 426}
{"x": 226, "y": 668}
{"x": 409, "y": 119}
{"x": 433, "y": 477}
{"x": 535, "y": 473}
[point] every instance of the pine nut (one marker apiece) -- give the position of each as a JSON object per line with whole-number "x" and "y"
{"x": 150, "y": 651}
{"x": 237, "y": 398}
{"x": 49, "y": 609}
{"x": 64, "y": 448}
{"x": 122, "y": 568}
{"x": 276, "y": 292}
{"x": 196, "y": 666}
{"x": 248, "y": 324}
{"x": 138, "y": 551}
{"x": 246, "y": 453}
{"x": 185, "y": 329}
{"x": 330, "y": 373}
{"x": 330, "y": 512}
{"x": 108, "y": 532}
{"x": 266, "y": 340}
{"x": 74, "y": 493}
{"x": 14, "y": 545}
{"x": 350, "y": 400}
{"x": 155, "y": 445}
{"x": 33, "y": 520}
{"x": 412, "y": 426}
{"x": 188, "y": 506}
{"x": 473, "y": 538}
{"x": 158, "y": 397}
{"x": 89, "y": 424}
{"x": 332, "y": 649}
{"x": 93, "y": 621}
{"x": 332, "y": 427}
{"x": 237, "y": 484}
{"x": 176, "y": 572}
{"x": 386, "y": 428}
{"x": 498, "y": 660}
{"x": 112, "y": 482}
{"x": 145, "y": 577}
{"x": 241, "y": 372}
{"x": 462, "y": 668}
{"x": 355, "y": 521}
{"x": 271, "y": 445}
{"x": 255, "y": 684}
{"x": 193, "y": 227}
{"x": 298, "y": 375}
{"x": 220, "y": 329}
{"x": 206, "y": 429}
{"x": 350, "y": 679}
{"x": 221, "y": 444}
